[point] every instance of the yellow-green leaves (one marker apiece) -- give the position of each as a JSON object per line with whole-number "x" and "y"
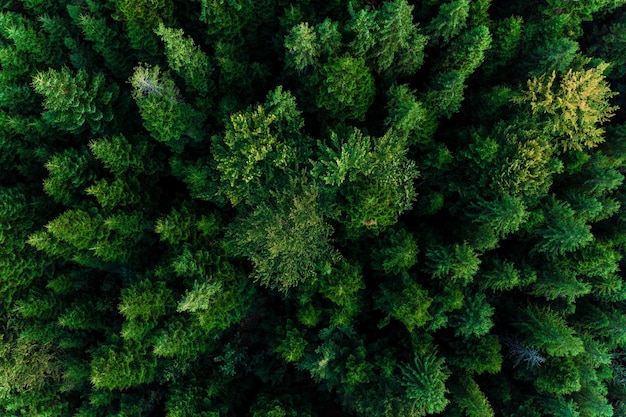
{"x": 572, "y": 107}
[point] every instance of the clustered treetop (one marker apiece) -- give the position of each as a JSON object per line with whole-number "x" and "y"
{"x": 276, "y": 209}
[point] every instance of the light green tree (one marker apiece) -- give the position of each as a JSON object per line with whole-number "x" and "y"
{"x": 425, "y": 383}
{"x": 186, "y": 59}
{"x": 572, "y": 107}
{"x": 166, "y": 116}
{"x": 72, "y": 100}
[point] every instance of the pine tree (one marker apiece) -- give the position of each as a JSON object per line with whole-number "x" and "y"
{"x": 450, "y": 21}
{"x": 458, "y": 262}
{"x": 467, "y": 395}
{"x": 468, "y": 51}
{"x": 140, "y": 18}
{"x": 303, "y": 47}
{"x": 504, "y": 215}
{"x": 546, "y": 329}
{"x": 287, "y": 238}
{"x": 347, "y": 89}
{"x": 72, "y": 100}
{"x": 474, "y": 318}
{"x": 166, "y": 115}
{"x": 564, "y": 232}
{"x": 186, "y": 59}
{"x": 424, "y": 380}
{"x": 400, "y": 47}
{"x": 70, "y": 172}
{"x": 105, "y": 40}
{"x": 117, "y": 367}
{"x": 405, "y": 301}
{"x": 477, "y": 354}
{"x": 574, "y": 108}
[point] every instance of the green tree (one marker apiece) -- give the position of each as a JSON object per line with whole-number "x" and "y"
{"x": 474, "y": 318}
{"x": 347, "y": 88}
{"x": 399, "y": 49}
{"x": 397, "y": 253}
{"x": 408, "y": 116}
{"x": 467, "y": 52}
{"x": 504, "y": 215}
{"x": 186, "y": 59}
{"x": 117, "y": 367}
{"x": 563, "y": 232}
{"x": 72, "y": 100}
{"x": 424, "y": 381}
{"x": 250, "y": 154}
{"x": 450, "y": 21}
{"x": 303, "y": 47}
{"x": 287, "y": 238}
{"x": 405, "y": 301}
{"x": 106, "y": 42}
{"x": 166, "y": 116}
{"x": 140, "y": 18}
{"x": 545, "y": 329}
{"x": 477, "y": 354}
{"x": 69, "y": 173}
{"x": 457, "y": 262}
{"x": 467, "y": 395}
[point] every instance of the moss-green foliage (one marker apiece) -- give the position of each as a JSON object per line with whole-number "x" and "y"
{"x": 269, "y": 208}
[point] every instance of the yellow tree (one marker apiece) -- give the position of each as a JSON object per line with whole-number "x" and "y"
{"x": 572, "y": 107}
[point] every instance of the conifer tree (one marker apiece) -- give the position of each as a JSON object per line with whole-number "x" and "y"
{"x": 73, "y": 100}
{"x": 450, "y": 21}
{"x": 424, "y": 380}
{"x": 186, "y": 59}
{"x": 574, "y": 108}
{"x": 287, "y": 238}
{"x": 303, "y": 47}
{"x": 166, "y": 115}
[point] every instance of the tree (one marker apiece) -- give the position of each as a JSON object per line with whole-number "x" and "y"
{"x": 474, "y": 318}
{"x": 408, "y": 116}
{"x": 120, "y": 155}
{"x": 545, "y": 329}
{"x": 400, "y": 47}
{"x": 477, "y": 354}
{"x": 424, "y": 381}
{"x": 405, "y": 301}
{"x": 303, "y": 47}
{"x": 117, "y": 367}
{"x": 574, "y": 109}
{"x": 377, "y": 174}
{"x": 558, "y": 376}
{"x": 467, "y": 395}
{"x": 69, "y": 174}
{"x": 450, "y": 21}
{"x": 250, "y": 153}
{"x": 218, "y": 300}
{"x": 140, "y": 18}
{"x": 457, "y": 262}
{"x": 468, "y": 51}
{"x": 186, "y": 59}
{"x": 73, "y": 99}
{"x": 397, "y": 254}
{"x": 504, "y": 215}
{"x": 166, "y": 116}
{"x": 106, "y": 41}
{"x": 564, "y": 232}
{"x": 347, "y": 88}
{"x": 287, "y": 238}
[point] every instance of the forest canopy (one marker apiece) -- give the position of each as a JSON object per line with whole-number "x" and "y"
{"x": 271, "y": 208}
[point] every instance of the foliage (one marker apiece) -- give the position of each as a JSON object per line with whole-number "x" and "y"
{"x": 424, "y": 381}
{"x": 71, "y": 100}
{"x": 270, "y": 208}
